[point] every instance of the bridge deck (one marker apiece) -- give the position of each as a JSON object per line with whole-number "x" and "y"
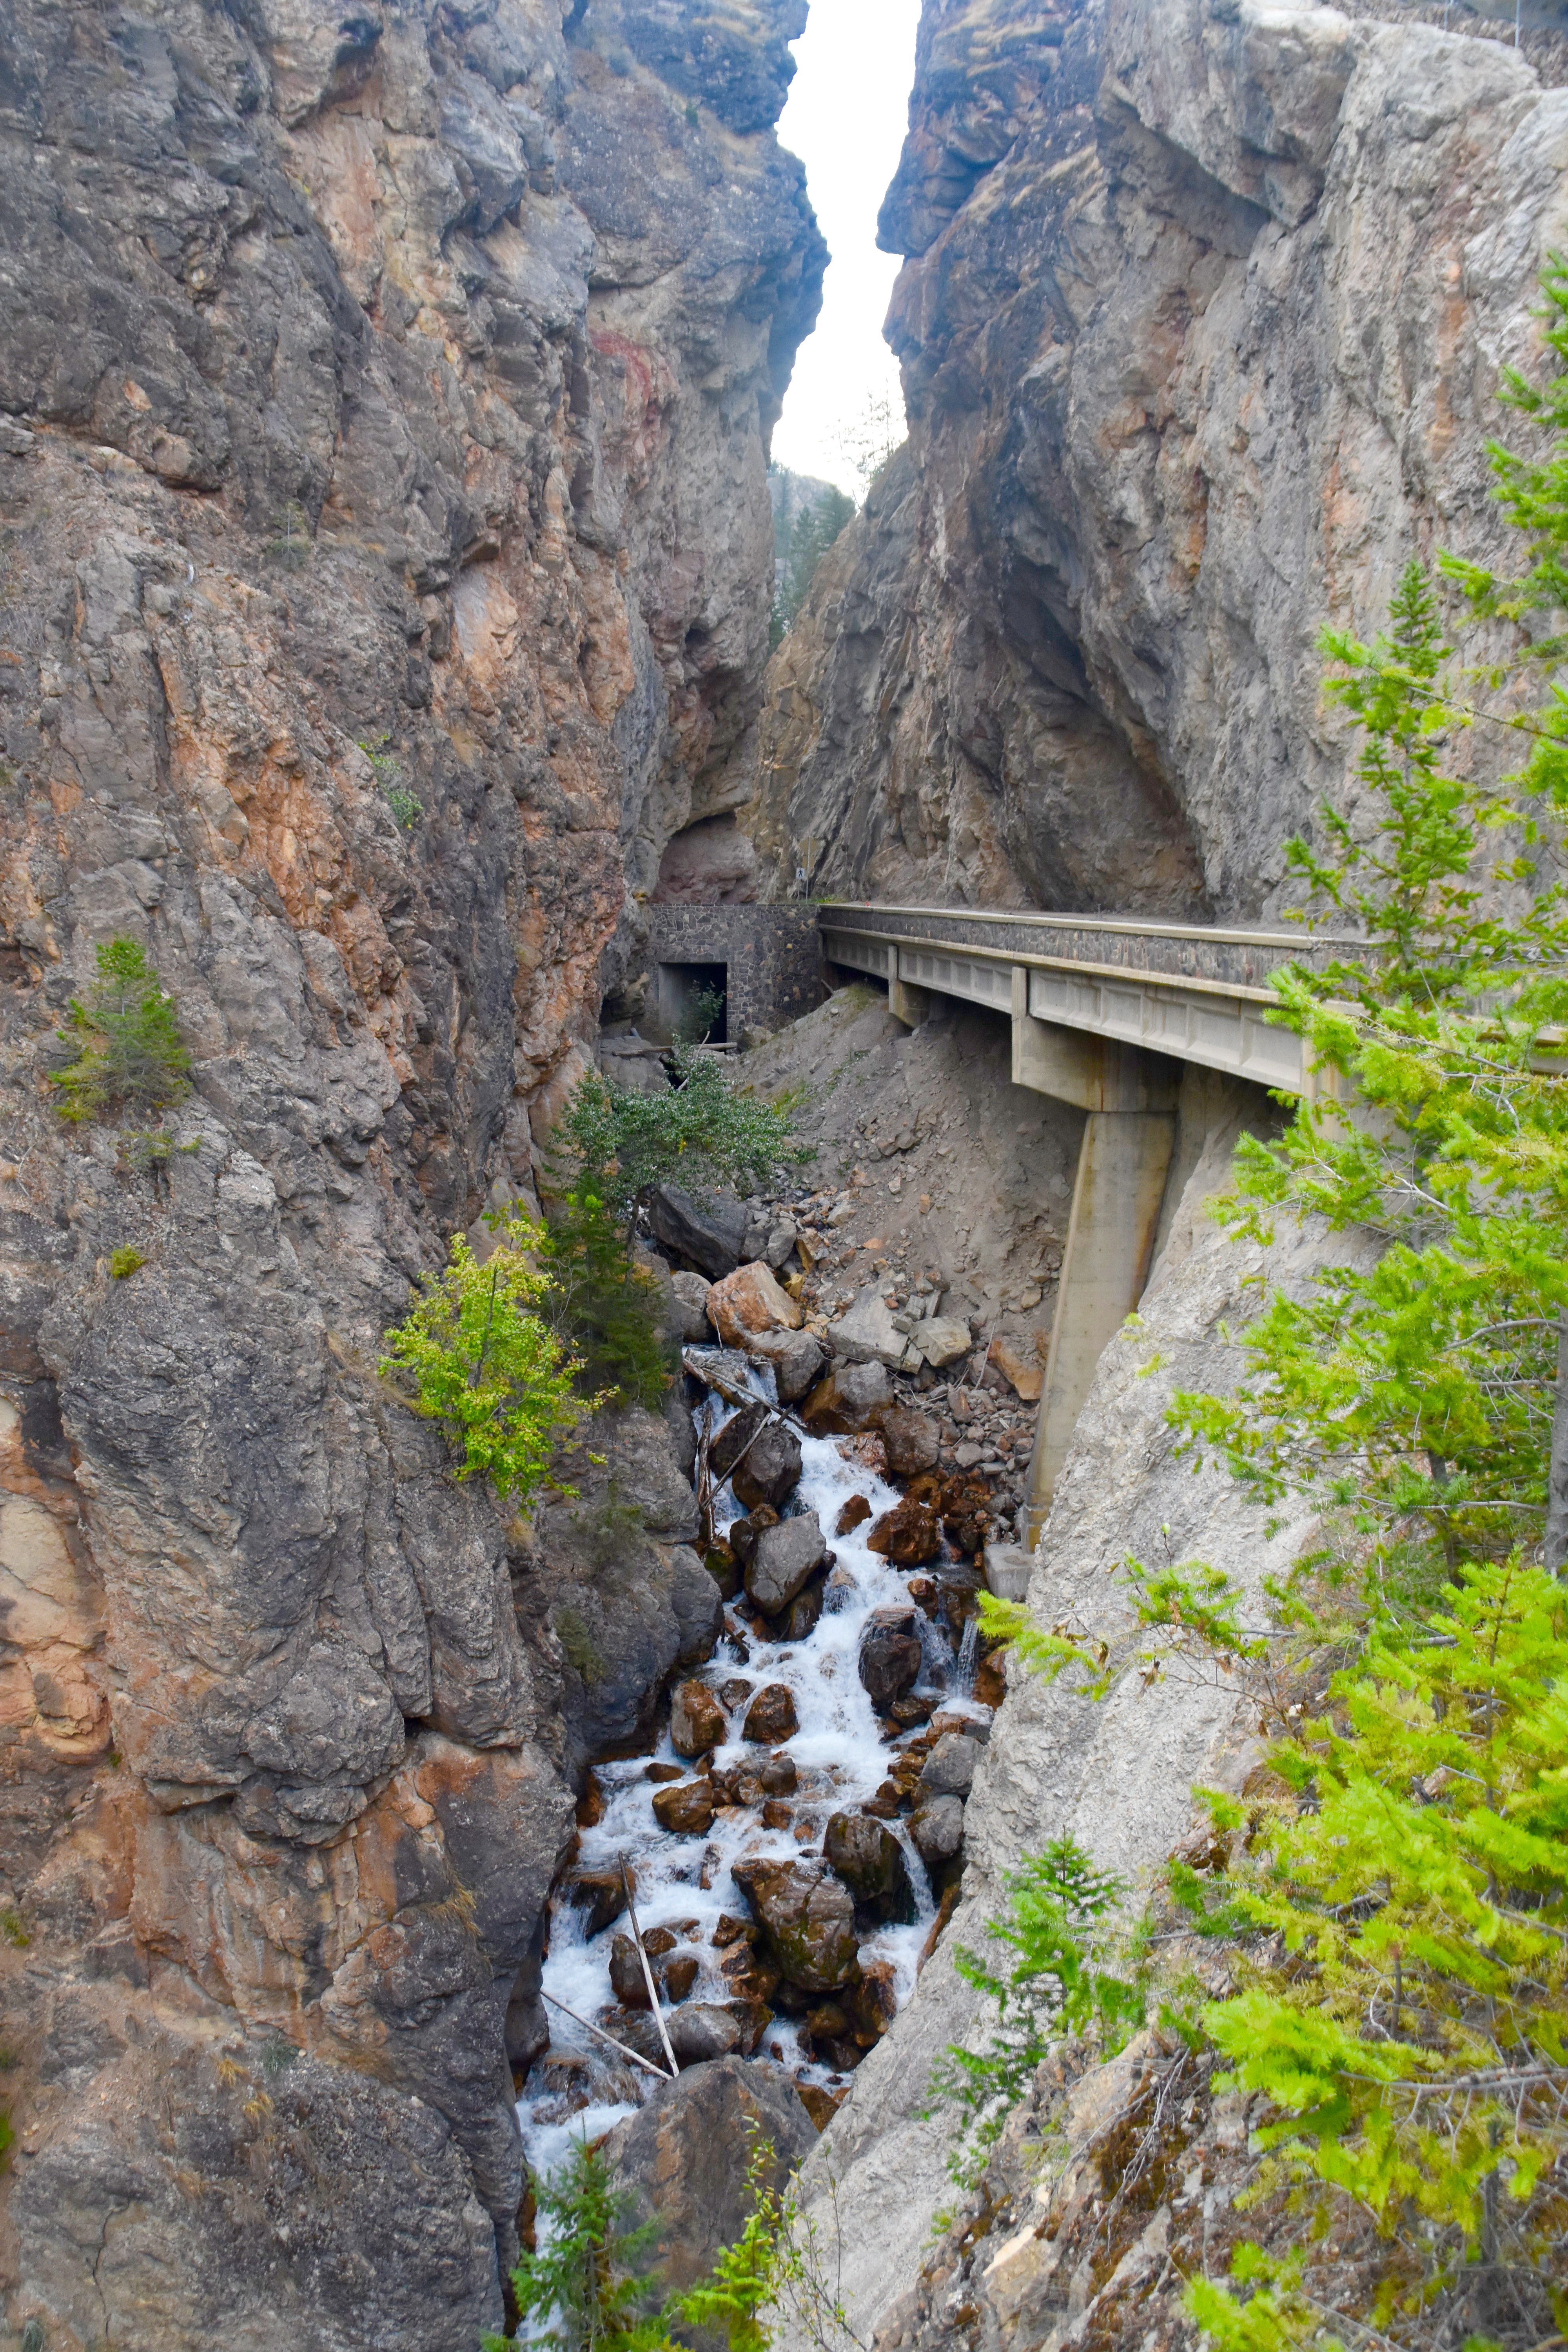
{"x": 1196, "y": 993}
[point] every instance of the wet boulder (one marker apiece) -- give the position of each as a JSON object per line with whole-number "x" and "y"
{"x": 771, "y": 1716}
{"x": 684, "y": 1808}
{"x": 627, "y": 1979}
{"x": 909, "y": 1535}
{"x": 710, "y": 1234}
{"x": 936, "y": 1828}
{"x": 796, "y": 1358}
{"x": 848, "y": 1396}
{"x": 701, "y": 2029}
{"x": 800, "y": 1619}
{"x": 753, "y": 1780}
{"x": 869, "y": 1860}
{"x": 599, "y": 1894}
{"x": 890, "y": 1654}
{"x": 738, "y": 1434}
{"x": 690, "y": 1294}
{"x": 912, "y": 1439}
{"x": 749, "y": 1303}
{"x": 681, "y": 2159}
{"x": 949, "y": 1769}
{"x": 697, "y": 1721}
{"x": 770, "y": 1471}
{"x": 749, "y": 1975}
{"x": 855, "y": 1513}
{"x": 783, "y": 1562}
{"x": 808, "y": 1917}
{"x": 743, "y": 1534}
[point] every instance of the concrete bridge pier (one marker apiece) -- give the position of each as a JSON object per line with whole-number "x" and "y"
{"x": 1123, "y": 1167}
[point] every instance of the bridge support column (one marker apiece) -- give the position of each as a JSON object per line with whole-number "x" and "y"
{"x": 907, "y": 1003}
{"x": 1122, "y": 1164}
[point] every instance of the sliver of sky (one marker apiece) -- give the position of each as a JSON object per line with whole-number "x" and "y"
{"x": 846, "y": 117}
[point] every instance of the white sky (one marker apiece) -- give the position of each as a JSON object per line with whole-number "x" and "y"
{"x": 846, "y": 117}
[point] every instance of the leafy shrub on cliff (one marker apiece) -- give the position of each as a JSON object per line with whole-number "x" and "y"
{"x": 128, "y": 1056}
{"x": 609, "y": 1312}
{"x": 481, "y": 1360}
{"x": 703, "y": 1133}
{"x": 581, "y": 2288}
{"x": 1407, "y": 2019}
{"x": 1056, "y": 1925}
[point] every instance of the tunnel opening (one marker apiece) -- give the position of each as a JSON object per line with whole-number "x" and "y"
{"x": 693, "y": 1002}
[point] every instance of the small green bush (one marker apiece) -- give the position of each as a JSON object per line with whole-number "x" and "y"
{"x": 582, "y": 2289}
{"x": 13, "y": 1927}
{"x": 485, "y": 1365}
{"x": 1059, "y": 1984}
{"x": 129, "y": 1053}
{"x": 125, "y": 1260}
{"x": 392, "y": 783}
{"x": 702, "y": 1016}
{"x": 703, "y": 1133}
{"x": 604, "y": 1307}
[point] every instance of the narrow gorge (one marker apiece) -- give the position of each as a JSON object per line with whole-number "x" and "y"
{"x": 386, "y": 567}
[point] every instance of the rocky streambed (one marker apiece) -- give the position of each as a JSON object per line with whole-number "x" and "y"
{"x": 788, "y": 1843}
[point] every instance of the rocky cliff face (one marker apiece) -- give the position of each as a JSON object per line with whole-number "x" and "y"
{"x": 1201, "y": 326}
{"x": 385, "y": 568}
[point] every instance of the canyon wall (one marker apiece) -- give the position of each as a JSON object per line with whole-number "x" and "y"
{"x": 385, "y": 572}
{"x": 1201, "y": 327}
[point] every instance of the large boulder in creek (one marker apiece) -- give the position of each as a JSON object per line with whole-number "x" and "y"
{"x": 740, "y": 1432}
{"x": 783, "y": 1561}
{"x": 681, "y": 2159}
{"x": 949, "y": 1769}
{"x": 868, "y": 1858}
{"x": 701, "y": 2029}
{"x": 937, "y": 1829}
{"x": 697, "y": 1721}
{"x": 909, "y": 1535}
{"x": 806, "y": 1915}
{"x": 684, "y": 1808}
{"x": 710, "y": 1233}
{"x": 796, "y": 1358}
{"x": 750, "y": 1303}
{"x": 769, "y": 1473}
{"x": 890, "y": 1654}
{"x": 771, "y": 1716}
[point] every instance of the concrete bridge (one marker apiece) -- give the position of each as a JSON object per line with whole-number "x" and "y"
{"x": 1156, "y": 1031}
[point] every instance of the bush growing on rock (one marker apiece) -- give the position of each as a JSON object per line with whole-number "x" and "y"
{"x": 704, "y": 1133}
{"x": 1059, "y": 1983}
{"x": 606, "y": 1309}
{"x": 128, "y": 1056}
{"x": 481, "y": 1361}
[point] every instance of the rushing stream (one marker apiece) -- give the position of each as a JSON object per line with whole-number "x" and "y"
{"x": 841, "y": 1753}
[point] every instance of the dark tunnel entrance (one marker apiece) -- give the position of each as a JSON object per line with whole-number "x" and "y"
{"x": 693, "y": 1002}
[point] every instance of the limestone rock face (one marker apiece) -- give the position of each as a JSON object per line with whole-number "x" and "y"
{"x": 676, "y": 2158}
{"x": 1200, "y": 327}
{"x": 385, "y": 581}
